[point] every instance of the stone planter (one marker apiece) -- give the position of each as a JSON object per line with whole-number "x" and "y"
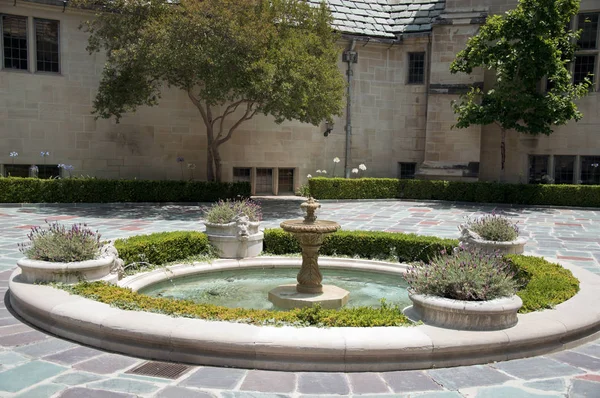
{"x": 33, "y": 271}
{"x": 513, "y": 247}
{"x": 495, "y": 314}
{"x": 238, "y": 239}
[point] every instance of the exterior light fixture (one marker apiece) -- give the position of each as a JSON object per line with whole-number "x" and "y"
{"x": 328, "y": 128}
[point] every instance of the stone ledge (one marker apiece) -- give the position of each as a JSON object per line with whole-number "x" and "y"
{"x": 197, "y": 341}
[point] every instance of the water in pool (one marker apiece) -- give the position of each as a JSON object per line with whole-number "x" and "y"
{"x": 249, "y": 288}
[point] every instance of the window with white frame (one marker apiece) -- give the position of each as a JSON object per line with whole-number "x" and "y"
{"x": 587, "y": 56}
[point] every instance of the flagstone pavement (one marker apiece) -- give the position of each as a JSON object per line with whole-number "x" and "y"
{"x": 36, "y": 364}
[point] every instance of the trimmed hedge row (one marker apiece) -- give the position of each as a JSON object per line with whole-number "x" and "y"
{"x": 162, "y": 247}
{"x": 96, "y": 190}
{"x": 373, "y": 245}
{"x": 481, "y": 192}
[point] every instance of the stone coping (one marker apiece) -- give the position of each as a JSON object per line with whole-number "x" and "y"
{"x": 157, "y": 336}
{"x": 519, "y": 241}
{"x": 75, "y": 266}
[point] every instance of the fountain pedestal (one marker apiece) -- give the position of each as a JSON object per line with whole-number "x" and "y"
{"x": 309, "y": 290}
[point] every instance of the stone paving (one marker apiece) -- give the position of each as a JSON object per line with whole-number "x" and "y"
{"x": 36, "y": 364}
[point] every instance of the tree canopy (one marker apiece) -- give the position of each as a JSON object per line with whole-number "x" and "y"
{"x": 523, "y": 47}
{"x": 275, "y": 57}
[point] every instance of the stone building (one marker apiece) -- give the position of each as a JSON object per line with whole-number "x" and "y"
{"x": 398, "y": 52}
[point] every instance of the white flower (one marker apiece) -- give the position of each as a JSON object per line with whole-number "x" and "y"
{"x": 191, "y": 166}
{"x": 355, "y": 170}
{"x": 324, "y": 171}
{"x": 309, "y": 176}
{"x": 336, "y": 160}
{"x": 14, "y": 154}
{"x": 60, "y": 165}
{"x": 362, "y": 166}
{"x": 44, "y": 154}
{"x": 319, "y": 171}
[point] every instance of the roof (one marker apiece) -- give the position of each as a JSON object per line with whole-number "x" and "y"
{"x": 383, "y": 18}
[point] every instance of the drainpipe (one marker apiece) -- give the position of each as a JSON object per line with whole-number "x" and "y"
{"x": 351, "y": 57}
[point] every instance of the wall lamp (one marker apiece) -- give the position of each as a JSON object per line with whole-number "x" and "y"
{"x": 328, "y": 128}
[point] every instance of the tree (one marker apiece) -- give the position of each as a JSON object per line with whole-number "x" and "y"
{"x": 234, "y": 58}
{"x": 523, "y": 47}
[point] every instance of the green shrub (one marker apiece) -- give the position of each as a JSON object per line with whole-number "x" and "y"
{"x": 494, "y": 227}
{"x": 303, "y": 190}
{"x": 58, "y": 243}
{"x": 364, "y": 244}
{"x": 386, "y": 315}
{"x": 545, "y": 284}
{"x": 480, "y": 192}
{"x": 470, "y": 275}
{"x": 225, "y": 211}
{"x": 96, "y": 190}
{"x": 162, "y": 247}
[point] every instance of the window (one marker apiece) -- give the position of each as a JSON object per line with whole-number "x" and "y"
{"x": 590, "y": 170}
{"x": 416, "y": 68}
{"x": 14, "y": 42}
{"x": 538, "y": 168}
{"x": 46, "y": 46}
{"x": 241, "y": 174}
{"x": 23, "y": 170}
{"x": 264, "y": 181}
{"x": 286, "y": 180}
{"x": 586, "y": 57}
{"x": 564, "y": 167}
{"x": 406, "y": 171}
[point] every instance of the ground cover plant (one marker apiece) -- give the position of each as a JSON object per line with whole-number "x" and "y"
{"x": 57, "y": 243}
{"x": 494, "y": 227}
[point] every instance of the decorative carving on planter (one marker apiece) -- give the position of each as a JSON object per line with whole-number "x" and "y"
{"x": 242, "y": 223}
{"x": 118, "y": 265}
{"x": 470, "y": 239}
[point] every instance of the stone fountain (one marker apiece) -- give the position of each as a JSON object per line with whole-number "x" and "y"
{"x": 309, "y": 290}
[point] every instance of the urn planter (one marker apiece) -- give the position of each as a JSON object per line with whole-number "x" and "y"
{"x": 237, "y": 239}
{"x": 34, "y": 271}
{"x": 447, "y": 313}
{"x": 516, "y": 246}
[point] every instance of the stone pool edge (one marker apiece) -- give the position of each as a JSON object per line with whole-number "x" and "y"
{"x": 156, "y": 336}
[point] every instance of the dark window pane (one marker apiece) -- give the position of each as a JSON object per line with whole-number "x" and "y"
{"x": 538, "y": 169}
{"x": 264, "y": 181}
{"x": 588, "y": 23}
{"x": 584, "y": 67}
{"x": 416, "y": 68}
{"x": 241, "y": 174}
{"x": 46, "y": 44}
{"x": 590, "y": 170}
{"x": 14, "y": 33}
{"x": 286, "y": 180}
{"x": 407, "y": 171}
{"x": 563, "y": 169}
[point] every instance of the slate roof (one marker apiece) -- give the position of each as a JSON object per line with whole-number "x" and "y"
{"x": 383, "y": 18}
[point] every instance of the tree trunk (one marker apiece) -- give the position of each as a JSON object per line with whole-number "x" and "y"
{"x": 210, "y": 175}
{"x": 217, "y": 162}
{"x": 503, "y": 148}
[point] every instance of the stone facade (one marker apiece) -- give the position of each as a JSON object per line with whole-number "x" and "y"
{"x": 392, "y": 121}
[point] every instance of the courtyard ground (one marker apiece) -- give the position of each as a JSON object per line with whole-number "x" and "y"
{"x": 36, "y": 364}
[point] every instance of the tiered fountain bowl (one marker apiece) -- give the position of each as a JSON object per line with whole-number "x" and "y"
{"x": 309, "y": 290}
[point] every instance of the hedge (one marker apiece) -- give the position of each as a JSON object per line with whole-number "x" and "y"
{"x": 96, "y": 190}
{"x": 162, "y": 247}
{"x": 365, "y": 244}
{"x": 480, "y": 192}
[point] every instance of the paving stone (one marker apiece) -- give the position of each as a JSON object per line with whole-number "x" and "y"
{"x": 224, "y": 378}
{"x": 9, "y": 321}
{"x": 547, "y": 385}
{"x": 512, "y": 392}
{"x": 467, "y": 376}
{"x": 322, "y": 383}
{"x": 584, "y": 388}
{"x": 20, "y": 339}
{"x": 45, "y": 347}
{"x": 42, "y": 391}
{"x": 269, "y": 381}
{"x": 125, "y": 385}
{"x": 75, "y": 378}
{"x": 9, "y": 358}
{"x": 26, "y": 375}
{"x": 410, "y": 381}
{"x": 14, "y": 329}
{"x": 81, "y": 392}
{"x": 436, "y": 394}
{"x": 105, "y": 364}
{"x": 592, "y": 350}
{"x": 579, "y": 360}
{"x": 73, "y": 355}
{"x": 536, "y": 368}
{"x": 180, "y": 392}
{"x": 367, "y": 383}
{"x": 244, "y": 394}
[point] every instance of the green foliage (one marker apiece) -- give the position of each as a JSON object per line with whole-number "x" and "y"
{"x": 162, "y": 247}
{"x": 225, "y": 211}
{"x": 522, "y": 47}
{"x": 494, "y": 227}
{"x": 457, "y": 191}
{"x": 275, "y": 57}
{"x": 126, "y": 299}
{"x": 303, "y": 190}
{"x": 59, "y": 244}
{"x": 545, "y": 284}
{"x": 364, "y": 244}
{"x": 469, "y": 275}
{"x": 93, "y": 190}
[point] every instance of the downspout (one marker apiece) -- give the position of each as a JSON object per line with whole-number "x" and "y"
{"x": 351, "y": 57}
